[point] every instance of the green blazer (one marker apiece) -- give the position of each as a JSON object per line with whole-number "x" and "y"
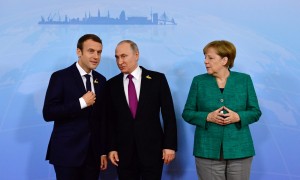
{"x": 204, "y": 97}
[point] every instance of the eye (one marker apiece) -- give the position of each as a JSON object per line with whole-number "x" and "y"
{"x": 91, "y": 50}
{"x": 208, "y": 57}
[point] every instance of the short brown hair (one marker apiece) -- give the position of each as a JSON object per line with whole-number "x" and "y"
{"x": 86, "y": 37}
{"x": 224, "y": 49}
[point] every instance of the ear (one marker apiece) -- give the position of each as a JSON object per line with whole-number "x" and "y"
{"x": 225, "y": 60}
{"x": 137, "y": 55}
{"x": 78, "y": 52}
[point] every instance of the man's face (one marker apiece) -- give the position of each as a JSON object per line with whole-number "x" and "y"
{"x": 90, "y": 55}
{"x": 126, "y": 58}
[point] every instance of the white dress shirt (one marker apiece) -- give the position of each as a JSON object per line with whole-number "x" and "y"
{"x": 137, "y": 78}
{"x": 82, "y": 73}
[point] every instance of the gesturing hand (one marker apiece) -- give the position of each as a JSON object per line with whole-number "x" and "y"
{"x": 89, "y": 98}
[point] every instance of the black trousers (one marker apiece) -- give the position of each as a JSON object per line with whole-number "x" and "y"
{"x": 89, "y": 170}
{"x": 134, "y": 169}
{"x": 76, "y": 173}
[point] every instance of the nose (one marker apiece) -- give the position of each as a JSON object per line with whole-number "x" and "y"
{"x": 97, "y": 55}
{"x": 119, "y": 60}
{"x": 205, "y": 61}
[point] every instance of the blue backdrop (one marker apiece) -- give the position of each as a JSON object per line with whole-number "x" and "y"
{"x": 39, "y": 37}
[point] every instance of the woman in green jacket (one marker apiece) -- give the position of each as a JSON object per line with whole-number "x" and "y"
{"x": 221, "y": 104}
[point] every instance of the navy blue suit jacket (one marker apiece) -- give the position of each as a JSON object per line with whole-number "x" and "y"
{"x": 75, "y": 129}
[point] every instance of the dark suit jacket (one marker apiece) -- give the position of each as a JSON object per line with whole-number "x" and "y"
{"x": 74, "y": 128}
{"x": 143, "y": 135}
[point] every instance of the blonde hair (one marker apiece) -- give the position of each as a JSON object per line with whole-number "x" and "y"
{"x": 224, "y": 49}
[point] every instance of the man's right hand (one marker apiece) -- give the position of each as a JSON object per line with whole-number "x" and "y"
{"x": 113, "y": 157}
{"x": 89, "y": 98}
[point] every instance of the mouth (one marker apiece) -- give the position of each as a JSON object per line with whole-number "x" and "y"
{"x": 94, "y": 62}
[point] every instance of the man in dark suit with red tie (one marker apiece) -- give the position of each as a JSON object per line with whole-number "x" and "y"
{"x": 74, "y": 101}
{"x": 137, "y": 142}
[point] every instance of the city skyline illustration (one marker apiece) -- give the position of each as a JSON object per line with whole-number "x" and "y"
{"x": 155, "y": 19}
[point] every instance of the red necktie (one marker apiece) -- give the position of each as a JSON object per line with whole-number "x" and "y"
{"x": 132, "y": 98}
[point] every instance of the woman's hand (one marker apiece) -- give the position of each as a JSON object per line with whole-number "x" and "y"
{"x": 216, "y": 117}
{"x": 230, "y": 117}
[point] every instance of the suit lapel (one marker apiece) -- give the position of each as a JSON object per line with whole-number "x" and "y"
{"x": 78, "y": 79}
{"x": 95, "y": 82}
{"x": 119, "y": 90}
{"x": 145, "y": 87}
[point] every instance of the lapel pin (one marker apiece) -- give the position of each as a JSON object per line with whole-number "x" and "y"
{"x": 148, "y": 77}
{"x": 96, "y": 81}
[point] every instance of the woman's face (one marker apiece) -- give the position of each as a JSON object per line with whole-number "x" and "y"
{"x": 213, "y": 62}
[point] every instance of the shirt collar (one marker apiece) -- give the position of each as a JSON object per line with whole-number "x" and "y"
{"x": 81, "y": 71}
{"x": 137, "y": 73}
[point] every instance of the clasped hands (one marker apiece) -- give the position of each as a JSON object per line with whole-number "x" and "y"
{"x": 168, "y": 155}
{"x": 220, "y": 118}
{"x": 89, "y": 97}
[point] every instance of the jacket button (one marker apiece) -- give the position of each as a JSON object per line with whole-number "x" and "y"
{"x": 221, "y": 100}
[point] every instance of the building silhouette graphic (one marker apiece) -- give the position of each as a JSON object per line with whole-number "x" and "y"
{"x": 155, "y": 19}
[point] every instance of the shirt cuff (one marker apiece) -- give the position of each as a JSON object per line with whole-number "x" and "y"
{"x": 82, "y": 103}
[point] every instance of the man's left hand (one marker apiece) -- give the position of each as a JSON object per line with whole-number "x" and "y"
{"x": 168, "y": 155}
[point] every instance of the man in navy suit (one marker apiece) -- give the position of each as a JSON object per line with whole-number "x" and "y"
{"x": 74, "y": 101}
{"x": 138, "y": 144}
